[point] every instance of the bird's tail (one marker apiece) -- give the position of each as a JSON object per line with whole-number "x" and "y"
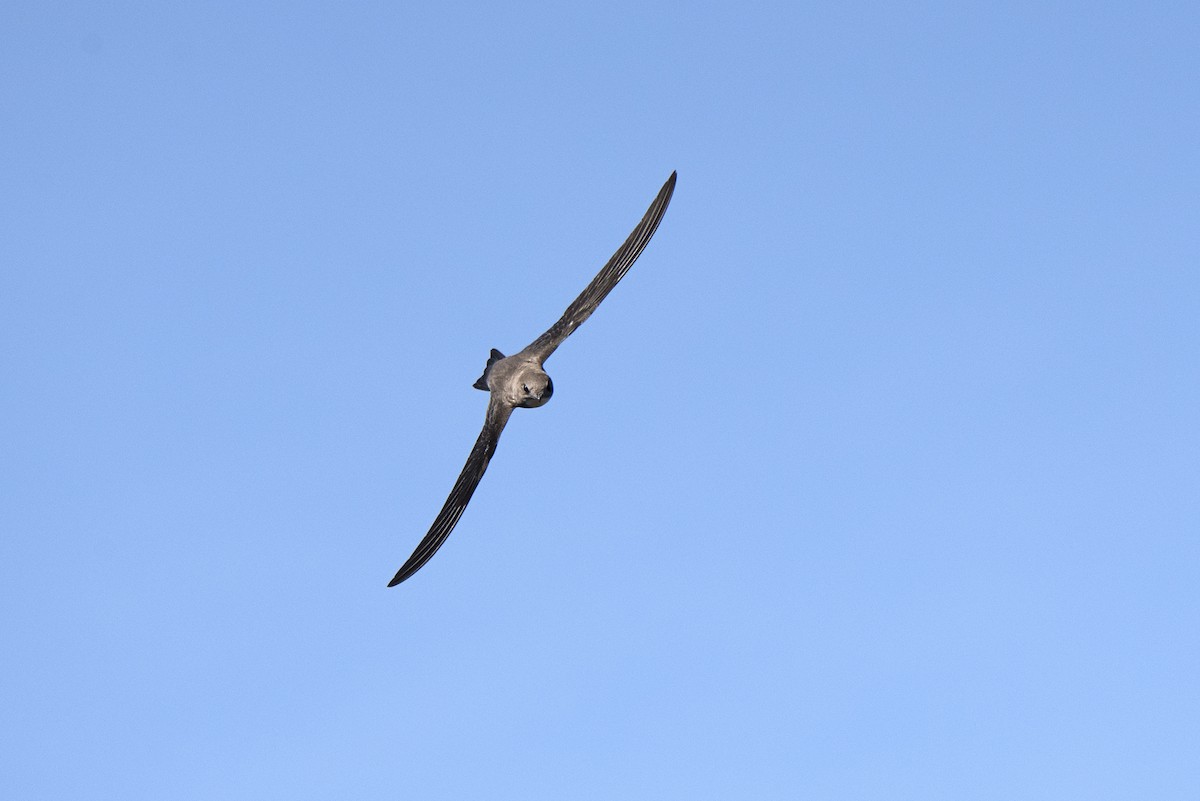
{"x": 482, "y": 383}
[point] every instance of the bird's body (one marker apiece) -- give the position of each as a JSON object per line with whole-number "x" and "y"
{"x": 519, "y": 381}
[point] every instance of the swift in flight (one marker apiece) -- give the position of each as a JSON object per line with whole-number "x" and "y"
{"x": 519, "y": 380}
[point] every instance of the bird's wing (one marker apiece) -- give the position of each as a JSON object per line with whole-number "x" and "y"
{"x": 497, "y": 416}
{"x": 583, "y": 306}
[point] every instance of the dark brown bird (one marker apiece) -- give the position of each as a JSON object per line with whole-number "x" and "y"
{"x": 519, "y": 380}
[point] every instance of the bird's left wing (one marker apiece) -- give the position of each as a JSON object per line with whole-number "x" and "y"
{"x": 497, "y": 417}
{"x": 612, "y": 272}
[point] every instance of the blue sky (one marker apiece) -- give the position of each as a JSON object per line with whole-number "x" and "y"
{"x": 878, "y": 477}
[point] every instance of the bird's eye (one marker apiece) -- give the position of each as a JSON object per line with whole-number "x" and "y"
{"x": 525, "y": 388}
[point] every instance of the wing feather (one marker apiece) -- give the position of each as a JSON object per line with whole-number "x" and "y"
{"x": 497, "y": 417}
{"x": 583, "y": 306}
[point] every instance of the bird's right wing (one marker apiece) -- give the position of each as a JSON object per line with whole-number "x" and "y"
{"x": 583, "y": 306}
{"x": 497, "y": 417}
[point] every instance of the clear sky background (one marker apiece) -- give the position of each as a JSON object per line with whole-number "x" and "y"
{"x": 878, "y": 477}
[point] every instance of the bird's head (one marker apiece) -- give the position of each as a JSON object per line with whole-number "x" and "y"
{"x": 533, "y": 389}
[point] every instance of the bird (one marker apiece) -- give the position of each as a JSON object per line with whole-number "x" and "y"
{"x": 520, "y": 381}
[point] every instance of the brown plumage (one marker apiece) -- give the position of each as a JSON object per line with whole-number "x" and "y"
{"x": 519, "y": 380}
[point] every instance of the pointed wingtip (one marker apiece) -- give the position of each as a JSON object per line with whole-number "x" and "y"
{"x": 668, "y": 188}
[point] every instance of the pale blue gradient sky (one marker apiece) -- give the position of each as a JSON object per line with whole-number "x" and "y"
{"x": 899, "y": 499}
